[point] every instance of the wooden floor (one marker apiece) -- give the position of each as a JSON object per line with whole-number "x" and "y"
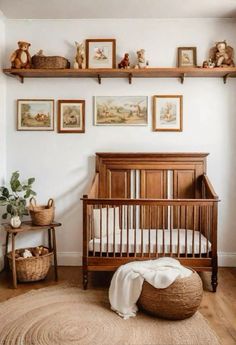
{"x": 218, "y": 308}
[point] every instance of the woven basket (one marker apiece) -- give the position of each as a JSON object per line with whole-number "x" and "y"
{"x": 31, "y": 269}
{"x": 42, "y": 215}
{"x": 50, "y": 62}
{"x": 178, "y": 301}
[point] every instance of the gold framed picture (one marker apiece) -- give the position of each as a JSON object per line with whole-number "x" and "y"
{"x": 71, "y": 116}
{"x": 168, "y": 113}
{"x": 121, "y": 110}
{"x": 101, "y": 53}
{"x": 35, "y": 114}
{"x": 187, "y": 57}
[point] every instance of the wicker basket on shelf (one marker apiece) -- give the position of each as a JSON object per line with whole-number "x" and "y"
{"x": 49, "y": 62}
{"x": 42, "y": 215}
{"x": 178, "y": 301}
{"x": 31, "y": 269}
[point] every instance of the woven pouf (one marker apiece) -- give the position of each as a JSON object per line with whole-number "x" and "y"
{"x": 178, "y": 301}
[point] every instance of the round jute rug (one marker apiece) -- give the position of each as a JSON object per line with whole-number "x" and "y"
{"x": 70, "y": 316}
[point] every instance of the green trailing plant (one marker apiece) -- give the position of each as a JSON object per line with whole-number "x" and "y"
{"x": 15, "y": 197}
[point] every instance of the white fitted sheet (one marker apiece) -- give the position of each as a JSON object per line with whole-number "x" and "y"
{"x": 200, "y": 241}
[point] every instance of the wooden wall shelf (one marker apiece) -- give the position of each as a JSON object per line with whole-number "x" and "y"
{"x": 99, "y": 74}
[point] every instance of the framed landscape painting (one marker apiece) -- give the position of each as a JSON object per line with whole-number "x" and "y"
{"x": 71, "y": 116}
{"x": 168, "y": 113}
{"x": 100, "y": 53}
{"x": 35, "y": 114}
{"x": 121, "y": 110}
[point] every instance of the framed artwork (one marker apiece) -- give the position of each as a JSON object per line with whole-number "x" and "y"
{"x": 187, "y": 57}
{"x": 100, "y": 53}
{"x": 168, "y": 113}
{"x": 71, "y": 116}
{"x": 121, "y": 110}
{"x": 35, "y": 114}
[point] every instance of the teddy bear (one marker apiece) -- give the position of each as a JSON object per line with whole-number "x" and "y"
{"x": 21, "y": 57}
{"x": 222, "y": 55}
{"x": 141, "y": 60}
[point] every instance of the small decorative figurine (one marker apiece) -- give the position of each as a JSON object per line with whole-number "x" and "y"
{"x": 208, "y": 64}
{"x": 21, "y": 57}
{"x": 142, "y": 62}
{"x": 222, "y": 55}
{"x": 80, "y": 56}
{"x": 124, "y": 62}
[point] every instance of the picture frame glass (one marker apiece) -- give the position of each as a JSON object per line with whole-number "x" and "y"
{"x": 187, "y": 57}
{"x": 121, "y": 110}
{"x": 71, "y": 118}
{"x": 35, "y": 115}
{"x": 100, "y": 54}
{"x": 167, "y": 113}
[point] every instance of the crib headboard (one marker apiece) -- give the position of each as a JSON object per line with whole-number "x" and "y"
{"x": 150, "y": 175}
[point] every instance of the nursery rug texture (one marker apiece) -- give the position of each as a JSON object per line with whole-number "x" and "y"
{"x": 70, "y": 316}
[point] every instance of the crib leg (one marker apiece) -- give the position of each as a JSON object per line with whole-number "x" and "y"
{"x": 214, "y": 278}
{"x": 85, "y": 279}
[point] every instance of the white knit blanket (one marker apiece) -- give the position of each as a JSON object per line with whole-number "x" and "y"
{"x": 126, "y": 284}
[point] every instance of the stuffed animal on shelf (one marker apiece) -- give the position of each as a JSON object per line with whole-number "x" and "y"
{"x": 80, "y": 56}
{"x": 124, "y": 62}
{"x": 222, "y": 55}
{"x": 21, "y": 57}
{"x": 141, "y": 60}
{"x": 208, "y": 64}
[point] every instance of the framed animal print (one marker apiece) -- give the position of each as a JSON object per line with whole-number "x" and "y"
{"x": 168, "y": 113}
{"x": 187, "y": 57}
{"x": 35, "y": 114}
{"x": 100, "y": 53}
{"x": 121, "y": 110}
{"x": 71, "y": 116}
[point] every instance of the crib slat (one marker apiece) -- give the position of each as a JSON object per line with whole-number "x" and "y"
{"x": 163, "y": 230}
{"x": 193, "y": 233}
{"x": 92, "y": 228}
{"x": 128, "y": 218}
{"x": 178, "y": 225}
{"x": 186, "y": 227}
{"x": 135, "y": 184}
{"x": 100, "y": 230}
{"x": 134, "y": 228}
{"x": 149, "y": 232}
{"x": 141, "y": 229}
{"x": 114, "y": 231}
{"x": 200, "y": 229}
{"x": 157, "y": 231}
{"x": 208, "y": 230}
{"x": 171, "y": 227}
{"x": 121, "y": 232}
{"x": 107, "y": 230}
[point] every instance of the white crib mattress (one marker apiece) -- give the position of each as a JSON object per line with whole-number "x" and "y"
{"x": 201, "y": 245}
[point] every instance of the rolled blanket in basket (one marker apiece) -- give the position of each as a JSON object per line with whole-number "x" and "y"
{"x": 126, "y": 284}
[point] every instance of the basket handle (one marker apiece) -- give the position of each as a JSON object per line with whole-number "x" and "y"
{"x": 50, "y": 203}
{"x": 33, "y": 202}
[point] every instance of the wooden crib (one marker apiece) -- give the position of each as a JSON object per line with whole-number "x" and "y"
{"x": 143, "y": 206}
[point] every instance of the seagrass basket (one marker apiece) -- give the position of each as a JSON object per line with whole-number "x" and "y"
{"x": 31, "y": 269}
{"x": 49, "y": 62}
{"x": 178, "y": 301}
{"x": 42, "y": 215}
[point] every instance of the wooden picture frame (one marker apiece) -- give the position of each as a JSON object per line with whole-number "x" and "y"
{"x": 187, "y": 57}
{"x": 121, "y": 110}
{"x": 101, "y": 53}
{"x": 71, "y": 116}
{"x": 168, "y": 113}
{"x": 35, "y": 114}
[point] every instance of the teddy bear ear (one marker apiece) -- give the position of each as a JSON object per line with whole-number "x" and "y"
{"x": 19, "y": 42}
{"x": 29, "y": 44}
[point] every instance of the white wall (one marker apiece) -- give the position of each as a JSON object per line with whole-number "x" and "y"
{"x": 63, "y": 164}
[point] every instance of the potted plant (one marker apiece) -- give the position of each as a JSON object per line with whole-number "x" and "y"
{"x": 15, "y": 198}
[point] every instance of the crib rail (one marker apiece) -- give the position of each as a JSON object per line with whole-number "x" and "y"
{"x": 142, "y": 229}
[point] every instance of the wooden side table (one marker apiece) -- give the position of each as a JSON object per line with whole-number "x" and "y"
{"x": 25, "y": 227}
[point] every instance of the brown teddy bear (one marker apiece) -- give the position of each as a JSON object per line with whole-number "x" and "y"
{"x": 21, "y": 57}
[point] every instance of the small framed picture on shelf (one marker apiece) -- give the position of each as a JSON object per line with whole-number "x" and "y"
{"x": 120, "y": 110}
{"x": 71, "y": 116}
{"x": 187, "y": 57}
{"x": 101, "y": 53}
{"x": 168, "y": 113}
{"x": 35, "y": 114}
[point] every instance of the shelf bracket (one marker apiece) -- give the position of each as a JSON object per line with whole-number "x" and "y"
{"x": 130, "y": 78}
{"x": 21, "y": 79}
{"x": 182, "y": 78}
{"x": 225, "y": 77}
{"x": 99, "y": 79}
